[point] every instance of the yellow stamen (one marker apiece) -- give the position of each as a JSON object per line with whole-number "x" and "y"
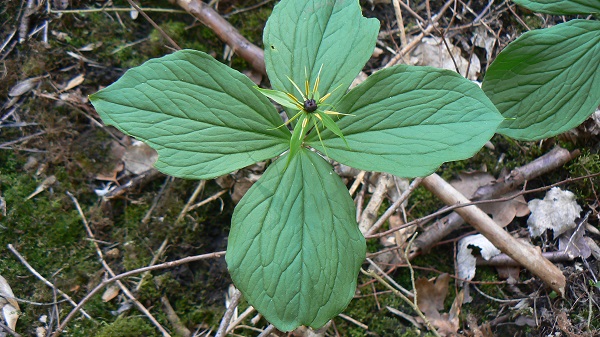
{"x": 297, "y": 88}
{"x": 296, "y": 101}
{"x": 329, "y": 112}
{"x": 316, "y": 86}
{"x": 324, "y": 98}
{"x": 307, "y": 87}
{"x": 288, "y": 121}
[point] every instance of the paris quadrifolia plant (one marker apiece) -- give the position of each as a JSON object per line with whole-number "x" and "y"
{"x": 294, "y": 248}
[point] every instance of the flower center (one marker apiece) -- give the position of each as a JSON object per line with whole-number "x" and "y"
{"x": 310, "y": 105}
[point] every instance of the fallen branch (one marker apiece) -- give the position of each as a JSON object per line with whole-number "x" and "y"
{"x": 528, "y": 256}
{"x": 550, "y": 161}
{"x": 233, "y": 303}
{"x": 226, "y": 32}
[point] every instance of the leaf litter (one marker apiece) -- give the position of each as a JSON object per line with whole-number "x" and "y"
{"x": 8, "y": 304}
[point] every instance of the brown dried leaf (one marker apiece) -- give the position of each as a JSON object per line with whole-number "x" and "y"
{"x": 10, "y": 307}
{"x": 24, "y": 86}
{"x": 44, "y": 185}
{"x": 240, "y": 188}
{"x": 433, "y": 52}
{"x": 110, "y": 293}
{"x": 139, "y": 157}
{"x": 430, "y": 298}
{"x": 75, "y": 81}
{"x": 6, "y": 293}
{"x": 431, "y": 295}
{"x": 502, "y": 212}
{"x": 11, "y": 315}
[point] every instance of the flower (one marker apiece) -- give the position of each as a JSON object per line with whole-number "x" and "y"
{"x": 310, "y": 112}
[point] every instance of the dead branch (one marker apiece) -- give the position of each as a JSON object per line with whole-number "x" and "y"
{"x": 550, "y": 161}
{"x": 392, "y": 209}
{"x": 528, "y": 256}
{"x": 504, "y": 260}
{"x": 407, "y": 48}
{"x": 9, "y": 330}
{"x": 174, "y": 319}
{"x": 226, "y": 32}
{"x": 233, "y": 303}
{"x": 369, "y": 215}
{"x": 139, "y": 180}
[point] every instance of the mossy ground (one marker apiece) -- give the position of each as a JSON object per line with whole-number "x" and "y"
{"x": 48, "y": 230}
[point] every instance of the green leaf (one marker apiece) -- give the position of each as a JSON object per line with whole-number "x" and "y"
{"x": 560, "y": 7}
{"x": 303, "y": 35}
{"x": 294, "y": 248}
{"x": 204, "y": 118}
{"x": 298, "y": 135}
{"x": 280, "y": 97}
{"x": 547, "y": 81}
{"x": 329, "y": 123}
{"x": 409, "y": 120}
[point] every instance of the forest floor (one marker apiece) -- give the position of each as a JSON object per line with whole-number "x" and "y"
{"x": 72, "y": 189}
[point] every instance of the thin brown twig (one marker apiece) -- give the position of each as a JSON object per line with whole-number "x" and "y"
{"x": 125, "y": 290}
{"x": 267, "y": 331}
{"x": 5, "y": 146}
{"x": 400, "y": 20}
{"x": 9, "y": 330}
{"x": 392, "y": 209}
{"x": 419, "y": 37}
{"x": 456, "y": 206}
{"x": 209, "y": 199}
{"x": 197, "y": 192}
{"x": 233, "y": 303}
{"x": 157, "y": 27}
{"x": 161, "y": 250}
{"x": 239, "y": 320}
{"x": 246, "y": 9}
{"x": 48, "y": 283}
{"x": 115, "y": 9}
{"x": 401, "y": 295}
{"x": 102, "y": 284}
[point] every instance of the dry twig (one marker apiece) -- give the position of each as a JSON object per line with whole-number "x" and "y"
{"x": 125, "y": 290}
{"x": 104, "y": 283}
{"x": 226, "y": 32}
{"x": 550, "y": 161}
{"x": 233, "y": 303}
{"x": 528, "y": 256}
{"x": 48, "y": 283}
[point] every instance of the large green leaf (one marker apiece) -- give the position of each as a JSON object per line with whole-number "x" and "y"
{"x": 204, "y": 118}
{"x": 409, "y": 120}
{"x": 303, "y": 35}
{"x": 294, "y": 248}
{"x": 547, "y": 81}
{"x": 560, "y": 7}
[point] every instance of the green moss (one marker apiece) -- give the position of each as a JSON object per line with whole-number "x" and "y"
{"x": 587, "y": 163}
{"x": 127, "y": 327}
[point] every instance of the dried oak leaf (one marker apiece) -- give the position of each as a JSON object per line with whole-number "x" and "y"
{"x": 430, "y": 300}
